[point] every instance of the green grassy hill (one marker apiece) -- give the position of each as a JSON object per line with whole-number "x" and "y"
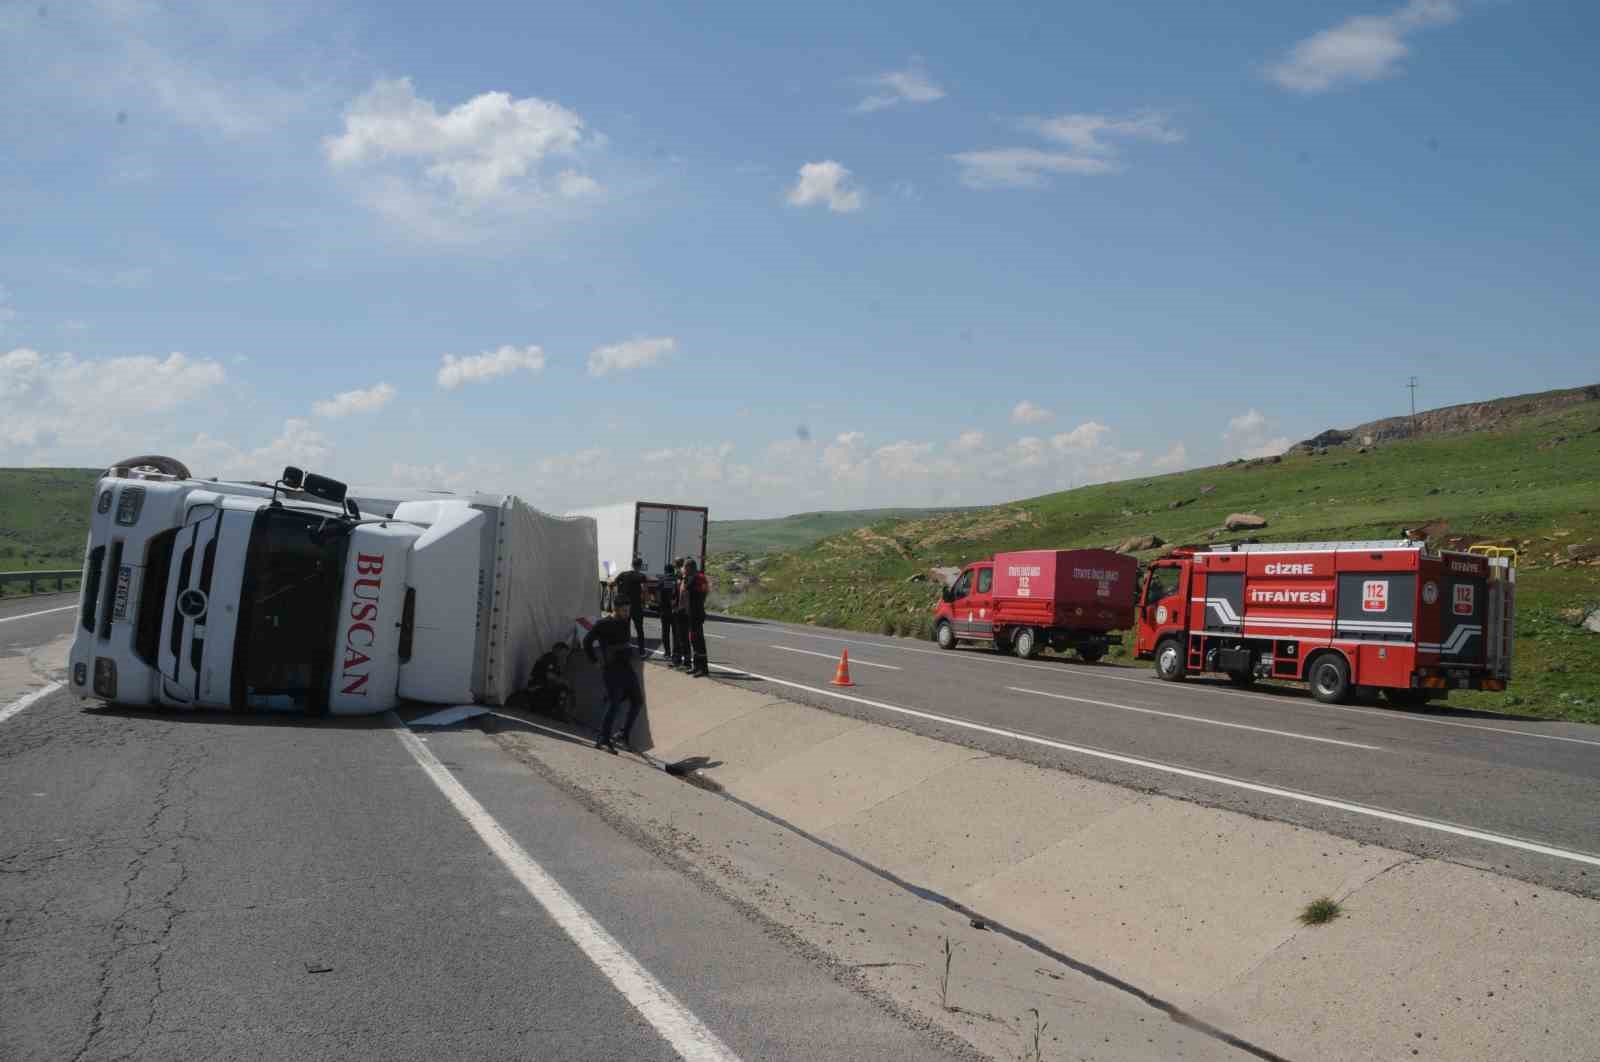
{"x": 44, "y": 516}
{"x": 1533, "y": 484}
{"x": 756, "y": 537}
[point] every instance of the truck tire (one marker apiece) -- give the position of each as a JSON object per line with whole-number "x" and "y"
{"x": 1091, "y": 654}
{"x": 944, "y": 635}
{"x": 1169, "y": 660}
{"x": 1242, "y": 679}
{"x": 1025, "y": 643}
{"x": 167, "y": 466}
{"x": 1330, "y": 678}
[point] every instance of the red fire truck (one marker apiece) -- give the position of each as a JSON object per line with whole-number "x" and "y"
{"x": 1349, "y": 618}
{"x": 1063, "y": 598}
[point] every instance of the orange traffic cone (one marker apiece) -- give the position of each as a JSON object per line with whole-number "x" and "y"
{"x": 841, "y": 676}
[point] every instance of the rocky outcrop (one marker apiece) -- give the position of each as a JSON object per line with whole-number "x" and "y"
{"x": 1497, "y": 414}
{"x": 1244, "y": 522}
{"x": 1138, "y": 543}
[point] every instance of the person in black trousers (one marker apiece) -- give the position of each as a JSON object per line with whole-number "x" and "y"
{"x": 666, "y": 601}
{"x": 696, "y": 588}
{"x": 680, "y": 619}
{"x": 630, "y": 591}
{"x": 611, "y": 634}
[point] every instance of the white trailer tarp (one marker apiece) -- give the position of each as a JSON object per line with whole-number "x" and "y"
{"x": 542, "y": 583}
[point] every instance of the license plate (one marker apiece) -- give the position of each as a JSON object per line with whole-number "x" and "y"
{"x": 119, "y": 604}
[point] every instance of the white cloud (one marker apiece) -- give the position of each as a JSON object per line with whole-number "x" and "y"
{"x": 1025, "y": 167}
{"x": 63, "y": 404}
{"x": 1087, "y": 133}
{"x": 911, "y": 85}
{"x": 969, "y": 442}
{"x": 632, "y": 354}
{"x": 429, "y": 169}
{"x": 299, "y": 443}
{"x": 1085, "y": 436}
{"x": 1251, "y": 434}
{"x": 475, "y": 368}
{"x": 1027, "y": 412}
{"x": 1174, "y": 460}
{"x": 1359, "y": 49}
{"x": 358, "y": 401}
{"x": 1090, "y": 142}
{"x": 826, "y": 182}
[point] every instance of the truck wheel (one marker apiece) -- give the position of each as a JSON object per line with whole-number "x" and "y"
{"x": 1091, "y": 654}
{"x": 1169, "y": 660}
{"x": 1025, "y": 644}
{"x": 944, "y": 635}
{"x": 1242, "y": 679}
{"x": 1330, "y": 678}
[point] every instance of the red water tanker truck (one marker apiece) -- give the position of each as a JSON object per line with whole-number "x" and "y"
{"x": 1021, "y": 602}
{"x": 1349, "y": 618}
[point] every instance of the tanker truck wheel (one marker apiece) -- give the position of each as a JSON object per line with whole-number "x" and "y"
{"x": 1024, "y": 643}
{"x": 944, "y": 635}
{"x": 1330, "y": 678}
{"x": 1169, "y": 660}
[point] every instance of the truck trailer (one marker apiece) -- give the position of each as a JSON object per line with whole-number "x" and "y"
{"x": 305, "y": 595}
{"x": 1064, "y": 598}
{"x": 659, "y": 532}
{"x": 1349, "y": 618}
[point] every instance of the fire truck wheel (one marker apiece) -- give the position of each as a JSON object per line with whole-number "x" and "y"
{"x": 1242, "y": 678}
{"x": 1025, "y": 644}
{"x": 1169, "y": 660}
{"x": 1330, "y": 678}
{"x": 944, "y": 636}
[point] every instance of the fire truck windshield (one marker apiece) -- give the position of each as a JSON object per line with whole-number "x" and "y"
{"x": 283, "y": 651}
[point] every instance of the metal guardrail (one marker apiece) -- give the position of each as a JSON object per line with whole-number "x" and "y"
{"x": 33, "y": 579}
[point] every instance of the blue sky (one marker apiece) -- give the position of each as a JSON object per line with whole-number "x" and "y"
{"x": 780, "y": 258}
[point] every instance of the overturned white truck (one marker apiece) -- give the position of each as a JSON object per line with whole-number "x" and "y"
{"x": 309, "y": 596}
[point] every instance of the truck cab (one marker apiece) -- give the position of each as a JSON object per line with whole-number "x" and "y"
{"x": 965, "y": 612}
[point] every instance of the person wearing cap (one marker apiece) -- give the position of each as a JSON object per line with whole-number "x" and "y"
{"x": 629, "y": 590}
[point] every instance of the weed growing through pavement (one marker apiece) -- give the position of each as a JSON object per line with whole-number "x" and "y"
{"x": 1320, "y": 911}
{"x": 944, "y": 980}
{"x": 1035, "y": 1052}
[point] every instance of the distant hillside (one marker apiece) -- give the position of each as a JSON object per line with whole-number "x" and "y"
{"x": 44, "y": 516}
{"x": 1531, "y": 481}
{"x": 1498, "y": 414}
{"x": 797, "y": 531}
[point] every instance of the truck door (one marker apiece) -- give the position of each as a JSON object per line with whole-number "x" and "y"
{"x": 960, "y": 596}
{"x": 980, "y": 604}
{"x": 1162, "y": 606}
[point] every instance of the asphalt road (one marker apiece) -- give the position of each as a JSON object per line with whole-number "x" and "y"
{"x": 1423, "y": 781}
{"x": 212, "y": 886}
{"x": 27, "y": 622}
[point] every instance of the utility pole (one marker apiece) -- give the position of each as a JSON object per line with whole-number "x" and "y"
{"x": 1412, "y": 386}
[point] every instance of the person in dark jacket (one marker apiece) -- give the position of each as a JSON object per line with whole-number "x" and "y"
{"x": 666, "y": 601}
{"x": 611, "y": 634}
{"x": 680, "y": 619}
{"x": 630, "y": 591}
{"x": 696, "y": 586}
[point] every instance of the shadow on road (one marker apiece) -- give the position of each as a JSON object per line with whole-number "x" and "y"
{"x": 249, "y": 718}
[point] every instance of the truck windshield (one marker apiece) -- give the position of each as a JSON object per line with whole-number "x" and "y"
{"x": 292, "y": 579}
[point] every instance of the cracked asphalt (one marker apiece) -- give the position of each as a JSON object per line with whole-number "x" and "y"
{"x": 215, "y": 886}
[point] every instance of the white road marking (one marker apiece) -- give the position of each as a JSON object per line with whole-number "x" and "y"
{"x": 688, "y": 1035}
{"x": 830, "y": 656}
{"x": 28, "y": 700}
{"x": 1203, "y": 776}
{"x": 30, "y": 615}
{"x": 1197, "y": 719}
{"x": 1291, "y": 702}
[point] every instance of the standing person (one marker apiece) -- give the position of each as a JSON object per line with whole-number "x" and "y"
{"x": 680, "y": 618}
{"x": 622, "y": 684}
{"x": 666, "y": 601}
{"x": 695, "y": 589}
{"x": 630, "y": 592}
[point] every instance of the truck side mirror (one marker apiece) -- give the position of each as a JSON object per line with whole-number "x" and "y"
{"x": 329, "y": 490}
{"x": 293, "y": 477}
{"x": 947, "y": 594}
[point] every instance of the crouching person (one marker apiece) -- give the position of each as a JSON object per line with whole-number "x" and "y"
{"x": 622, "y": 683}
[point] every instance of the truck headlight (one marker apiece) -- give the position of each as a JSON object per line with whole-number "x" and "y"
{"x": 129, "y": 505}
{"x": 103, "y": 504}
{"x": 80, "y": 674}
{"x": 105, "y": 677}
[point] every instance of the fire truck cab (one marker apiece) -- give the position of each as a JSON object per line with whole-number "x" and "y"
{"x": 1349, "y": 618}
